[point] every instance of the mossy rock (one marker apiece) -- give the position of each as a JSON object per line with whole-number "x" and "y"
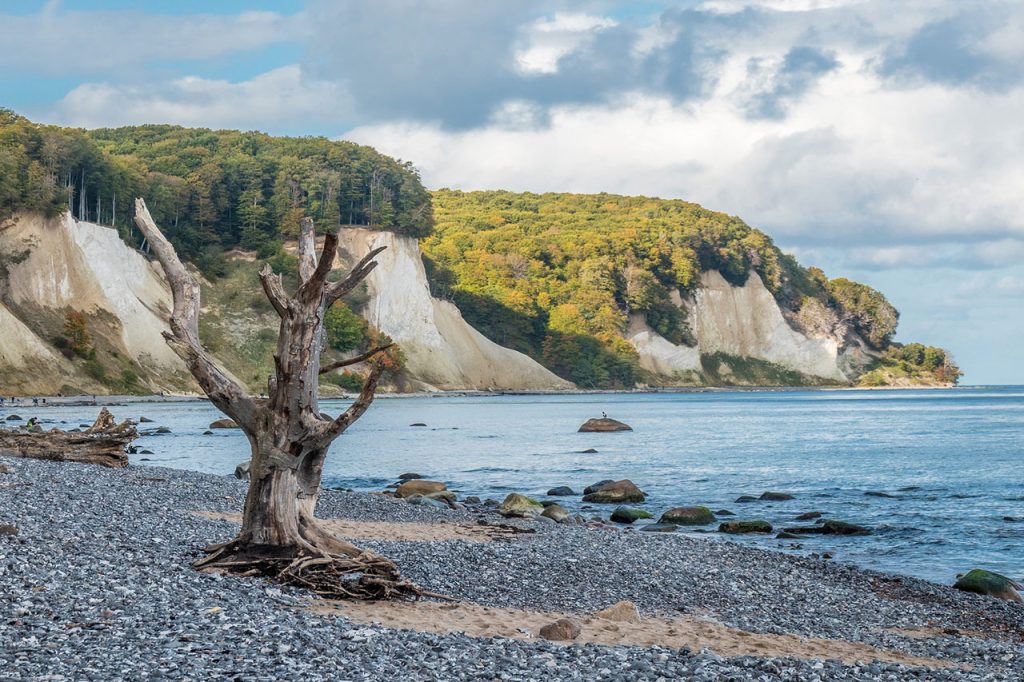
{"x": 830, "y": 527}
{"x": 520, "y": 506}
{"x": 742, "y": 527}
{"x": 629, "y": 514}
{"x": 688, "y": 516}
{"x": 980, "y": 581}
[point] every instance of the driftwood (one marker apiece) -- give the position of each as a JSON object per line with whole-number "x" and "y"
{"x": 103, "y": 443}
{"x": 288, "y": 434}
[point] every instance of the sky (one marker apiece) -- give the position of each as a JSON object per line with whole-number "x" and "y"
{"x": 880, "y": 141}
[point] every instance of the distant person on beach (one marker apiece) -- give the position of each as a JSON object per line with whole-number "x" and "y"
{"x": 33, "y": 424}
{"x": 604, "y": 415}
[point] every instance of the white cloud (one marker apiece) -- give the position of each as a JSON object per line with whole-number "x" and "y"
{"x": 272, "y": 99}
{"x": 546, "y": 41}
{"x": 854, "y": 162}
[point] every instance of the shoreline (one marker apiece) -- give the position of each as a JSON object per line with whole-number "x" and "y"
{"x": 125, "y": 599}
{"x": 117, "y": 399}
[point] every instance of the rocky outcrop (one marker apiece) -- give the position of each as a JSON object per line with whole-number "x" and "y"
{"x": 442, "y": 350}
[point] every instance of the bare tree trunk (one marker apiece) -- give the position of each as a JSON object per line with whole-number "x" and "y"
{"x": 288, "y": 435}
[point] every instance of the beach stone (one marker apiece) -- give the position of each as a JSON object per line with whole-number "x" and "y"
{"x": 775, "y": 497}
{"x": 786, "y": 535}
{"x": 145, "y": 420}
{"x": 419, "y": 487}
{"x": 408, "y": 477}
{"x": 830, "y": 527}
{"x": 8, "y": 529}
{"x": 724, "y": 512}
{"x": 557, "y": 513}
{"x": 424, "y": 501}
{"x": 742, "y": 527}
{"x": 746, "y": 498}
{"x": 446, "y": 495}
{"x": 808, "y": 516}
{"x": 4, "y": 469}
{"x": 688, "y": 516}
{"x": 621, "y": 612}
{"x": 417, "y": 424}
{"x": 629, "y": 514}
{"x": 616, "y": 492}
{"x": 13, "y": 418}
{"x": 980, "y": 581}
{"x": 561, "y": 630}
{"x": 603, "y": 425}
{"x": 242, "y": 470}
{"x": 472, "y": 499}
{"x": 561, "y": 491}
{"x": 518, "y": 505}
{"x": 588, "y": 451}
{"x": 207, "y": 433}
{"x": 659, "y": 528}
{"x": 223, "y": 424}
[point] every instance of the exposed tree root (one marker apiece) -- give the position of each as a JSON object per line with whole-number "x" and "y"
{"x": 364, "y": 576}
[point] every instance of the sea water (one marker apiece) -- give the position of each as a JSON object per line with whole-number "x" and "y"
{"x": 951, "y": 460}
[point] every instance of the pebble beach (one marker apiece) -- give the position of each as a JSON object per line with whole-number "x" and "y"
{"x": 97, "y": 585}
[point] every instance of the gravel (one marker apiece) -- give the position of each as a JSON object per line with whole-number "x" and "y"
{"x": 96, "y": 585}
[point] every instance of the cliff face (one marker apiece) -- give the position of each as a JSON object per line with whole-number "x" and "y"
{"x": 733, "y": 323}
{"x": 442, "y": 350}
{"x": 49, "y": 268}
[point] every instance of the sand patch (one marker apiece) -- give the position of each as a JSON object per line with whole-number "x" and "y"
{"x": 386, "y": 530}
{"x": 487, "y": 621}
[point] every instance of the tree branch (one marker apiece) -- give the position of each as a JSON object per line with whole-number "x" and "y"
{"x": 354, "y": 361}
{"x": 357, "y": 408}
{"x": 183, "y": 338}
{"x": 357, "y": 275}
{"x": 315, "y": 283}
{"x": 274, "y": 290}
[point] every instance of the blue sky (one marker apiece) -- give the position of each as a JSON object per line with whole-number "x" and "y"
{"x": 881, "y": 141}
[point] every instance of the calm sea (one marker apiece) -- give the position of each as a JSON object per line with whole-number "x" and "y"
{"x": 951, "y": 459}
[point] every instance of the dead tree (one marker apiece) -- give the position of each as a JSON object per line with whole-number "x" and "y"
{"x": 288, "y": 434}
{"x": 102, "y": 443}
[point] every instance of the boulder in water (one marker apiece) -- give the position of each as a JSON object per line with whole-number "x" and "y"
{"x": 419, "y": 487}
{"x": 980, "y": 581}
{"x": 603, "y": 425}
{"x": 742, "y": 527}
{"x": 588, "y": 451}
{"x": 616, "y": 492}
{"x": 659, "y": 528}
{"x": 417, "y": 424}
{"x": 597, "y": 486}
{"x": 830, "y": 527}
{"x": 775, "y": 497}
{"x": 561, "y": 491}
{"x": 518, "y": 505}
{"x": 223, "y": 424}
{"x": 878, "y": 493}
{"x": 145, "y": 420}
{"x": 13, "y": 418}
{"x": 742, "y": 499}
{"x": 629, "y": 514}
{"x": 408, "y": 477}
{"x": 688, "y": 516}
{"x": 724, "y": 512}
{"x": 809, "y": 516}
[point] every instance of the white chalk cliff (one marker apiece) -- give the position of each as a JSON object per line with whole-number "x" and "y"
{"x": 741, "y": 321}
{"x": 442, "y": 350}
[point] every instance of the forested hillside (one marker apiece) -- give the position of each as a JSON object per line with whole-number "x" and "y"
{"x": 557, "y": 275}
{"x": 210, "y": 190}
